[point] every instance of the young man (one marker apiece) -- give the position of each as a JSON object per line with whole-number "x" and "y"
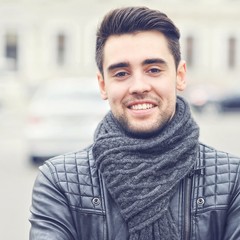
{"x": 146, "y": 176}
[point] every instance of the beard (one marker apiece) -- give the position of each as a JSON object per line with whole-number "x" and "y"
{"x": 143, "y": 131}
{"x": 150, "y": 127}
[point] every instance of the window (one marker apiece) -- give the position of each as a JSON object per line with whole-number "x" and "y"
{"x": 189, "y": 51}
{"x": 61, "y": 49}
{"x": 232, "y": 52}
{"x": 11, "y": 51}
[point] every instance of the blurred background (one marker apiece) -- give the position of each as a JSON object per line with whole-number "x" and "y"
{"x": 49, "y": 101}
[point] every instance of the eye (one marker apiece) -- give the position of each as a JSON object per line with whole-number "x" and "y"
{"x": 121, "y": 74}
{"x": 154, "y": 70}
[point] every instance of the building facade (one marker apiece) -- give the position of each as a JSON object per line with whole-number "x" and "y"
{"x": 42, "y": 39}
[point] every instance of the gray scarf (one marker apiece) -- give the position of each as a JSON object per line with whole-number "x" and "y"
{"x": 142, "y": 174}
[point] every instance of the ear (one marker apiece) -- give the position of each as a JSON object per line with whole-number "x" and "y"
{"x": 181, "y": 76}
{"x": 102, "y": 86}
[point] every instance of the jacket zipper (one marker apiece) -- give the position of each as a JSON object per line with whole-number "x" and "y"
{"x": 187, "y": 207}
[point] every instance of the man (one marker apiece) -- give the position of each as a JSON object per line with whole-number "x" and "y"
{"x": 146, "y": 176}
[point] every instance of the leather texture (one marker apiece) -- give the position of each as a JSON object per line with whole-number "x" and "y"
{"x": 70, "y": 200}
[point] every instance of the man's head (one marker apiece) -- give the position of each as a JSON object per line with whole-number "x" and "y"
{"x": 135, "y": 19}
{"x": 140, "y": 69}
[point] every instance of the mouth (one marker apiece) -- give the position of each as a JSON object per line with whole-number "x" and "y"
{"x": 142, "y": 106}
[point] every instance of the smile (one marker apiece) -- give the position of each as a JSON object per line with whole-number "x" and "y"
{"x": 143, "y": 106}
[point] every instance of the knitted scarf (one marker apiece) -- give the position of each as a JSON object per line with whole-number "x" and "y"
{"x": 142, "y": 174}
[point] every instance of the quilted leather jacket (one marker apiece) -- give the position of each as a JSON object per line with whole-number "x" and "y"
{"x": 71, "y": 202}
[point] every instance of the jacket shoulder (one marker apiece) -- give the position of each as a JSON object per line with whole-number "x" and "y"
{"x": 209, "y": 156}
{"x": 219, "y": 177}
{"x": 76, "y": 176}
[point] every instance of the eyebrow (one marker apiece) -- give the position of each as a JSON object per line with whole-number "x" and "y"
{"x": 145, "y": 62}
{"x": 154, "y": 60}
{"x": 118, "y": 65}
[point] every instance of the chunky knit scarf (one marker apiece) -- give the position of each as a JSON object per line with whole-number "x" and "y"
{"x": 142, "y": 174}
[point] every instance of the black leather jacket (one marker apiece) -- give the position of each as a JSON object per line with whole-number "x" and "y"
{"x": 71, "y": 202}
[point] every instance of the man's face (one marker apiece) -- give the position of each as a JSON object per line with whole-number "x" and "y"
{"x": 140, "y": 80}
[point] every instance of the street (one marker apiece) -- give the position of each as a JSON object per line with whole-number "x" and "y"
{"x": 17, "y": 175}
{"x": 220, "y": 131}
{"x": 16, "y": 179}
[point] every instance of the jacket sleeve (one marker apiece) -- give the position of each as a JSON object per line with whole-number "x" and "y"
{"x": 50, "y": 214}
{"x": 232, "y": 231}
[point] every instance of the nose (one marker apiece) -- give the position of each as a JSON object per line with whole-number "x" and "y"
{"x": 139, "y": 84}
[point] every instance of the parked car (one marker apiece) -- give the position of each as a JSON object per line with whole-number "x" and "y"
{"x": 229, "y": 102}
{"x": 62, "y": 117}
{"x": 203, "y": 98}
{"x": 13, "y": 96}
{"x": 210, "y": 99}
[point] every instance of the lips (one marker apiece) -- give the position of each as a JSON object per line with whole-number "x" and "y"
{"x": 143, "y": 106}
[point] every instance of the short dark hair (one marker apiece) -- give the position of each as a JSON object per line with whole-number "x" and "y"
{"x": 134, "y": 19}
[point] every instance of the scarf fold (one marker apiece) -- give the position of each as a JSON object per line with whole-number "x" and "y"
{"x": 142, "y": 174}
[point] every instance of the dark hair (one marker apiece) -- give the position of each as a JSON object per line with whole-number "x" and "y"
{"x": 133, "y": 19}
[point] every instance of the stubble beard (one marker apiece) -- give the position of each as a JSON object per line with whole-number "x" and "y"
{"x": 142, "y": 131}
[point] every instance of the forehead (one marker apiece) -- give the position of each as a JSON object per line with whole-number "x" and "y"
{"x": 136, "y": 46}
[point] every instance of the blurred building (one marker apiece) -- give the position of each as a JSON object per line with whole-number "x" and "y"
{"x": 45, "y": 39}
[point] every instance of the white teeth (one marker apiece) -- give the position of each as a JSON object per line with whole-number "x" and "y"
{"x": 142, "y": 106}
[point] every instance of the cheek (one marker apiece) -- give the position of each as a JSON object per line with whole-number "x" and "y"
{"x": 165, "y": 90}
{"x": 114, "y": 98}
{"x": 115, "y": 93}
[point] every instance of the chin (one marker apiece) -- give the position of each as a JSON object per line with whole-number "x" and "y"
{"x": 140, "y": 130}
{"x": 142, "y": 133}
